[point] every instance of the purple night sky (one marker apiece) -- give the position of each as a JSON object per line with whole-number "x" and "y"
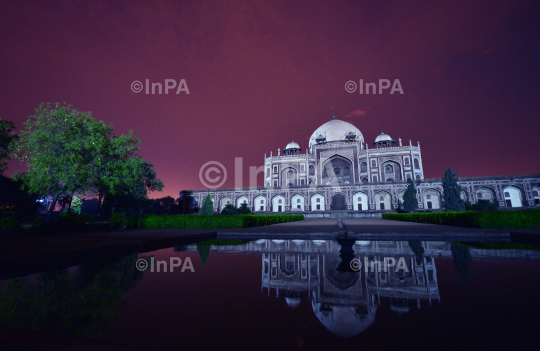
{"x": 264, "y": 73}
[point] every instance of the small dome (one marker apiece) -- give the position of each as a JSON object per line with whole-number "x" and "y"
{"x": 293, "y": 302}
{"x": 383, "y": 137}
{"x": 292, "y": 145}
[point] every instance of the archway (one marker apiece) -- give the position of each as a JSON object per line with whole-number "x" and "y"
{"x": 337, "y": 170}
{"x": 360, "y": 202}
{"x": 297, "y": 202}
{"x": 259, "y": 203}
{"x": 512, "y": 197}
{"x": 317, "y": 202}
{"x": 383, "y": 201}
{"x": 278, "y": 203}
{"x": 242, "y": 200}
{"x": 431, "y": 200}
{"x": 338, "y": 202}
{"x": 224, "y": 201}
{"x": 485, "y": 194}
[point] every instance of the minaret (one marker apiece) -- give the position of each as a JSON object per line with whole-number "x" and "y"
{"x": 278, "y": 151}
{"x": 400, "y": 142}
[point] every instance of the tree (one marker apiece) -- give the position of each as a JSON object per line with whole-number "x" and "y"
{"x": 186, "y": 202}
{"x": 6, "y": 138}
{"x": 483, "y": 206}
{"x": 452, "y": 192}
{"x": 244, "y": 209}
{"x": 131, "y": 196}
{"x": 76, "y": 205}
{"x": 229, "y": 210}
{"x": 418, "y": 249}
{"x": 204, "y": 252}
{"x": 59, "y": 144}
{"x": 461, "y": 256}
{"x": 207, "y": 208}
{"x": 410, "y": 201}
{"x": 13, "y": 199}
{"x": 69, "y": 152}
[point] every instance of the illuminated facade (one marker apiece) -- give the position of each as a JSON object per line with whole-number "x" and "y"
{"x": 340, "y": 171}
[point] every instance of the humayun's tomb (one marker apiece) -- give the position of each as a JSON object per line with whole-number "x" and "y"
{"x": 340, "y": 171}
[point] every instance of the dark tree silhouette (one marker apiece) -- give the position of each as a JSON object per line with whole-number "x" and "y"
{"x": 229, "y": 210}
{"x": 204, "y": 252}
{"x": 186, "y": 202}
{"x": 462, "y": 261}
{"x": 418, "y": 249}
{"x": 207, "y": 208}
{"x": 244, "y": 209}
{"x": 452, "y": 192}
{"x": 410, "y": 201}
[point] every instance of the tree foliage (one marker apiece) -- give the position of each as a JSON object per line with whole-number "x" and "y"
{"x": 482, "y": 206}
{"x": 6, "y": 138}
{"x": 187, "y": 203}
{"x": 244, "y": 209}
{"x": 68, "y": 152}
{"x": 452, "y": 192}
{"x": 207, "y": 208}
{"x": 76, "y": 205}
{"x": 24, "y": 206}
{"x": 410, "y": 201}
{"x": 229, "y": 210}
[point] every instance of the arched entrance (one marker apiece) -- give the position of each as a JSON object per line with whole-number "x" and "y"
{"x": 338, "y": 202}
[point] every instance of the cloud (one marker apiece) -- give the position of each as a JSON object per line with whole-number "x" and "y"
{"x": 356, "y": 113}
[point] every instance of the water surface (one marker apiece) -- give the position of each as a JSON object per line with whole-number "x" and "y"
{"x": 290, "y": 295}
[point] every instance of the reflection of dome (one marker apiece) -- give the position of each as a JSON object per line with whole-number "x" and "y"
{"x": 344, "y": 321}
{"x": 293, "y": 302}
{"x": 292, "y": 145}
{"x": 335, "y": 130}
{"x": 363, "y": 242}
{"x": 383, "y": 137}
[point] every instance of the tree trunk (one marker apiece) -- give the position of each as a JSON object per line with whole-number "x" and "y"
{"x": 70, "y": 201}
{"x": 100, "y": 197}
{"x": 52, "y": 206}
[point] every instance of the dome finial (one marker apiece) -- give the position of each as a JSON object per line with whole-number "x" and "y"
{"x": 334, "y": 114}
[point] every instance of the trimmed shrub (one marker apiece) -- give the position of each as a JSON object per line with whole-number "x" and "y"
{"x": 526, "y": 219}
{"x": 458, "y": 218}
{"x": 195, "y": 222}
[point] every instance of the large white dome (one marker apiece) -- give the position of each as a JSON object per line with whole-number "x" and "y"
{"x": 335, "y": 130}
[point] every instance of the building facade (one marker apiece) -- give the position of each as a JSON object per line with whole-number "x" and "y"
{"x": 340, "y": 171}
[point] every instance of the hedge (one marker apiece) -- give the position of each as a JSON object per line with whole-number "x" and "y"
{"x": 526, "y": 219}
{"x": 186, "y": 221}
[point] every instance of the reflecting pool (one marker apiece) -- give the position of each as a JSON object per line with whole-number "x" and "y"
{"x": 276, "y": 294}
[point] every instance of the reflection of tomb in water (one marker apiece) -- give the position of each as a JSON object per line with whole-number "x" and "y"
{"x": 345, "y": 301}
{"x": 346, "y": 304}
